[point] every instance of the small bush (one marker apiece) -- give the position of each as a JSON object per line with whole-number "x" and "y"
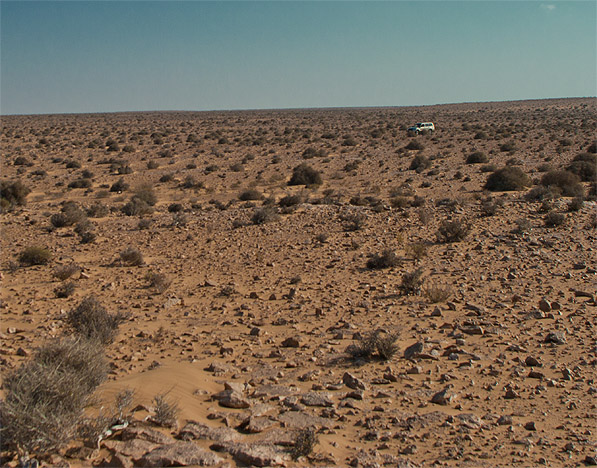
{"x": 418, "y": 250}
{"x": 354, "y": 221}
{"x": 35, "y": 255}
{"x": 146, "y": 193}
{"x": 478, "y": 157}
{"x": 119, "y": 186}
{"x": 311, "y": 152}
{"x": 264, "y": 215}
{"x": 44, "y": 399}
{"x": 415, "y": 145}
{"x": 304, "y": 443}
{"x": 553, "y": 219}
{"x": 576, "y": 204}
{"x": 509, "y": 146}
{"x": 412, "y": 282}
{"x": 165, "y": 412}
{"x": 97, "y": 210}
{"x": 90, "y": 320}
{"x": 291, "y": 200}
{"x": 250, "y": 194}
{"x": 136, "y": 207}
{"x": 80, "y": 183}
{"x": 378, "y": 343}
{"x": 65, "y": 289}
{"x": 131, "y": 256}
{"x": 13, "y": 193}
{"x": 304, "y": 174}
{"x": 420, "y": 163}
{"x": 386, "y": 259}
{"x": 435, "y": 293}
{"x": 507, "y": 179}
{"x": 158, "y": 281}
{"x": 452, "y": 231}
{"x": 567, "y": 182}
{"x": 64, "y": 272}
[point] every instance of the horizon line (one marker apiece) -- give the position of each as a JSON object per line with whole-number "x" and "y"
{"x": 292, "y": 108}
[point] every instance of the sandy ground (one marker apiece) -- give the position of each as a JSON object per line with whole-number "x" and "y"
{"x": 239, "y": 290}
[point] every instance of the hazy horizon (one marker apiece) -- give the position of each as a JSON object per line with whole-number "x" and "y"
{"x": 103, "y": 57}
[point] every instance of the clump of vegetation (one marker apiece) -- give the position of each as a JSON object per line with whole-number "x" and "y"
{"x": 44, "y": 399}
{"x": 35, "y": 255}
{"x": 553, "y": 219}
{"x": 478, "y": 157}
{"x": 304, "y": 443}
{"x": 567, "y": 183}
{"x": 13, "y": 194}
{"x": 412, "y": 282}
{"x": 436, "y": 293}
{"x": 64, "y": 290}
{"x": 265, "y": 215}
{"x": 146, "y": 193}
{"x": 158, "y": 281}
{"x": 250, "y": 194}
{"x": 507, "y": 179}
{"x": 132, "y": 256}
{"x": 70, "y": 214}
{"x": 311, "y": 152}
{"x": 490, "y": 206}
{"x": 584, "y": 165}
{"x": 354, "y": 221}
{"x": 377, "y": 343}
{"x": 420, "y": 163}
{"x": 576, "y": 204}
{"x": 136, "y": 207}
{"x": 97, "y": 210}
{"x": 64, "y": 272}
{"x": 386, "y": 259}
{"x": 415, "y": 145}
{"x": 165, "y": 412}
{"x": 509, "y": 146}
{"x": 291, "y": 200}
{"x": 303, "y": 174}
{"x": 418, "y": 250}
{"x": 452, "y": 231}
{"x": 119, "y": 186}
{"x": 90, "y": 320}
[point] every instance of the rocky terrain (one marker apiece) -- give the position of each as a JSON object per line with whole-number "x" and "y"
{"x": 384, "y": 305}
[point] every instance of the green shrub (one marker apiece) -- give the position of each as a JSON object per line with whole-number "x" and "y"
{"x": 507, "y": 179}
{"x": 35, "y": 255}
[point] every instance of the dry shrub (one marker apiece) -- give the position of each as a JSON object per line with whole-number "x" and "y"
{"x": 64, "y": 272}
{"x": 250, "y": 194}
{"x": 553, "y": 219}
{"x": 146, "y": 193}
{"x": 98, "y": 210}
{"x": 584, "y": 165}
{"x": 158, "y": 281}
{"x": 304, "y": 443}
{"x": 354, "y": 221}
{"x": 132, "y": 256}
{"x": 136, "y": 207}
{"x": 304, "y": 174}
{"x": 13, "y": 193}
{"x": 386, "y": 259}
{"x": 412, "y": 282}
{"x": 478, "y": 157}
{"x": 35, "y": 255}
{"x": 92, "y": 321}
{"x": 165, "y": 412}
{"x": 264, "y": 215}
{"x": 436, "y": 293}
{"x": 377, "y": 343}
{"x": 64, "y": 290}
{"x": 452, "y": 231}
{"x": 507, "y": 179}
{"x": 418, "y": 250}
{"x": 420, "y": 163}
{"x": 45, "y": 397}
{"x": 567, "y": 182}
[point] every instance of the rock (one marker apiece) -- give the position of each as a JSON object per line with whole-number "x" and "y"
{"x": 316, "y": 399}
{"x": 511, "y": 394}
{"x": 590, "y": 460}
{"x": 555, "y": 337}
{"x": 171, "y": 302}
{"x": 231, "y": 399}
{"x": 473, "y": 330}
{"x": 414, "y": 350}
{"x": 22, "y": 352}
{"x": 504, "y": 420}
{"x": 134, "y": 448}
{"x": 117, "y": 460}
{"x": 530, "y": 361}
{"x": 352, "y": 382}
{"x": 273, "y": 391}
{"x": 291, "y": 342}
{"x": 197, "y": 431}
{"x": 145, "y": 433}
{"x": 254, "y": 454}
{"x": 257, "y": 424}
{"x": 302, "y": 420}
{"x": 443, "y": 397}
{"x": 179, "y": 453}
{"x": 544, "y": 305}
{"x": 530, "y": 426}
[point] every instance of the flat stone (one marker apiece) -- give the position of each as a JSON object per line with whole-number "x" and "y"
{"x": 316, "y": 399}
{"x": 145, "y": 433}
{"x": 301, "y": 420}
{"x": 197, "y": 431}
{"x": 180, "y": 453}
{"x": 254, "y": 454}
{"x": 352, "y": 382}
{"x": 232, "y": 399}
{"x": 414, "y": 350}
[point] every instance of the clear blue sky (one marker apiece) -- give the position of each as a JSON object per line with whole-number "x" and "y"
{"x": 119, "y": 56}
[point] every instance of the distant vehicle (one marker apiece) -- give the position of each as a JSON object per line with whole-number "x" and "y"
{"x": 419, "y": 127}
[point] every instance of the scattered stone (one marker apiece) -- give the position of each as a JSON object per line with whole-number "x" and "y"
{"x": 544, "y": 305}
{"x": 291, "y": 342}
{"x": 530, "y": 361}
{"x": 193, "y": 430}
{"x": 556, "y": 338}
{"x": 530, "y": 426}
{"x": 505, "y": 420}
{"x": 231, "y": 399}
{"x": 352, "y": 382}
{"x": 444, "y": 396}
{"x": 414, "y": 350}
{"x": 316, "y": 399}
{"x": 254, "y": 454}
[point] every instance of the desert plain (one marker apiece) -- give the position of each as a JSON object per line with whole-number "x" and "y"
{"x": 255, "y": 302}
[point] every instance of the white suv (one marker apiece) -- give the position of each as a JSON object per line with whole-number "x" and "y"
{"x": 419, "y": 127}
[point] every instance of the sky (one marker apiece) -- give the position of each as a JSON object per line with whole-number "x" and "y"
{"x": 79, "y": 57}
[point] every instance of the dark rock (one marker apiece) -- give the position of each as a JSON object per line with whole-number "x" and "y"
{"x": 555, "y": 337}
{"x": 352, "y": 382}
{"x": 414, "y": 350}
